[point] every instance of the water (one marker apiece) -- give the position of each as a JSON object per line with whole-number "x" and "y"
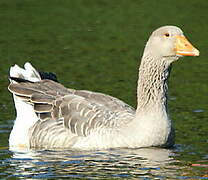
{"x": 96, "y": 45}
{"x": 149, "y": 163}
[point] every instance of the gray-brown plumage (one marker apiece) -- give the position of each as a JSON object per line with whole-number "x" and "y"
{"x": 68, "y": 112}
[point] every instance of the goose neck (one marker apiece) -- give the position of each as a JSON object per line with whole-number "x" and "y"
{"x": 152, "y": 84}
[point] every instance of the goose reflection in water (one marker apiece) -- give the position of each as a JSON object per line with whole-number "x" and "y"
{"x": 147, "y": 162}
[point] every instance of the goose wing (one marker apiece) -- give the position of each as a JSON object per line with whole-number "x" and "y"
{"x": 79, "y": 111}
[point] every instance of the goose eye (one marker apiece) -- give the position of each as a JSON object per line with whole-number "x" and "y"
{"x": 167, "y": 35}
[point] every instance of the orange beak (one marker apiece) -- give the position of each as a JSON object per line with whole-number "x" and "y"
{"x": 184, "y": 47}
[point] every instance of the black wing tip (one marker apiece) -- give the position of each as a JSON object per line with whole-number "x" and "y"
{"x": 48, "y": 75}
{"x": 20, "y": 80}
{"x": 43, "y": 75}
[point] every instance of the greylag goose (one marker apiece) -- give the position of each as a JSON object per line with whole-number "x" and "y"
{"x": 50, "y": 115}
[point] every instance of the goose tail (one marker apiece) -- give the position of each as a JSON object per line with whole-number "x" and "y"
{"x": 25, "y": 114}
{"x": 28, "y": 73}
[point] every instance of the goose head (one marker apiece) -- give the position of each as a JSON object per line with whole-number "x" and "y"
{"x": 169, "y": 43}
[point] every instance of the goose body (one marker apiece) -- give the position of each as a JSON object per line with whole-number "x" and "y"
{"x": 50, "y": 115}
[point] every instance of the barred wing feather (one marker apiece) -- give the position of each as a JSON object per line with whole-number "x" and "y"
{"x": 79, "y": 112}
